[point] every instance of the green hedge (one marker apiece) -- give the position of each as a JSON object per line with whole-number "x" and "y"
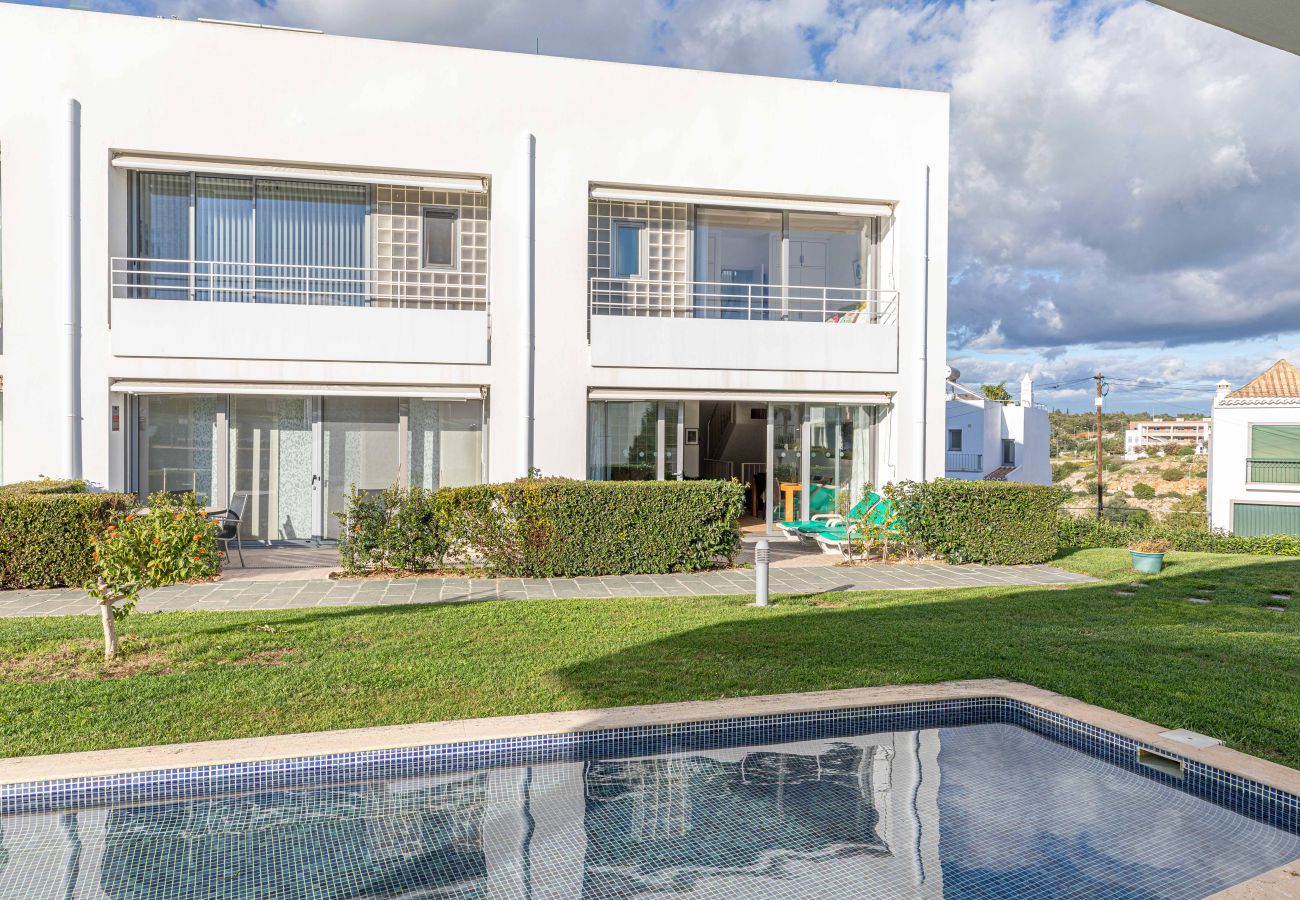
{"x": 1086, "y": 533}
{"x": 548, "y": 527}
{"x": 45, "y": 535}
{"x": 45, "y": 486}
{"x": 994, "y": 522}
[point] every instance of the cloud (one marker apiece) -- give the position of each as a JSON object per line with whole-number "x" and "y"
{"x": 1119, "y": 173}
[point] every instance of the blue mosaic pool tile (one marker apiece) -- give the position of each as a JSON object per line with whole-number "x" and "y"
{"x": 1257, "y": 801}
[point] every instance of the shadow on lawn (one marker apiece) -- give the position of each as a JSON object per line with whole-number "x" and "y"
{"x": 1153, "y": 654}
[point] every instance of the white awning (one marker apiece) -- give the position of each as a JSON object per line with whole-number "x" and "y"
{"x": 476, "y": 184}
{"x": 748, "y": 201}
{"x": 435, "y": 392}
{"x": 827, "y": 398}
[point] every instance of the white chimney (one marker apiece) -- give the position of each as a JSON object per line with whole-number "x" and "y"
{"x": 1221, "y": 390}
{"x": 1026, "y": 391}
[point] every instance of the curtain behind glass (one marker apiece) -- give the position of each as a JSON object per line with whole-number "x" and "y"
{"x": 162, "y": 232}
{"x": 311, "y": 243}
{"x": 178, "y": 445}
{"x": 623, "y": 440}
{"x": 445, "y": 443}
{"x": 223, "y": 231}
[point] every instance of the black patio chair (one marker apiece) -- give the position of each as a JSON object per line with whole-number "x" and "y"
{"x": 230, "y": 520}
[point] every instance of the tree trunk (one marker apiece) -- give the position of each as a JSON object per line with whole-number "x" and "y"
{"x": 110, "y": 631}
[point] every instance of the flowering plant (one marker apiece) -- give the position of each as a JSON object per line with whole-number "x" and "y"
{"x": 174, "y": 541}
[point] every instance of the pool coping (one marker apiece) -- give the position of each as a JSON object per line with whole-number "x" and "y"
{"x": 98, "y": 763}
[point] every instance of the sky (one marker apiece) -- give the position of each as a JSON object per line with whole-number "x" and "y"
{"x": 1125, "y": 181}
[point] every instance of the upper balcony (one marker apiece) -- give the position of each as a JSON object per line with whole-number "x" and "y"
{"x": 243, "y": 267}
{"x": 675, "y": 284}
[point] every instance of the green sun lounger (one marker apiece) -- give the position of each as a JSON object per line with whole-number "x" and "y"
{"x": 819, "y": 522}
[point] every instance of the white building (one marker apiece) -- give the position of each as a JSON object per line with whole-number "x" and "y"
{"x": 253, "y": 259}
{"x": 1164, "y": 434}
{"x": 997, "y": 441}
{"x": 1254, "y": 467}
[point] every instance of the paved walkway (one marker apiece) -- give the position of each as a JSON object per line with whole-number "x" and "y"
{"x": 305, "y": 593}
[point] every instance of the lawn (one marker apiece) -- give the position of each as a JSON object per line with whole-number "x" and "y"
{"x": 1229, "y": 668}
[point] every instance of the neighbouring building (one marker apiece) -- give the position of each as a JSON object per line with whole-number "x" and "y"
{"x": 1161, "y": 434}
{"x": 281, "y": 262}
{"x": 994, "y": 440}
{"x": 1254, "y": 466}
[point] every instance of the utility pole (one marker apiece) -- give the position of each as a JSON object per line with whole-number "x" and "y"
{"x": 1100, "y": 489}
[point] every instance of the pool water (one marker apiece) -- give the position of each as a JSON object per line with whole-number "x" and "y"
{"x": 981, "y": 811}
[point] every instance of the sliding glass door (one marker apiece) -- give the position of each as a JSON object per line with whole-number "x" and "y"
{"x": 821, "y": 458}
{"x": 298, "y": 457}
{"x": 271, "y": 457}
{"x": 634, "y": 440}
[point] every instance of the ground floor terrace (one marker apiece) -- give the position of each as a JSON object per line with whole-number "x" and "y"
{"x": 289, "y": 455}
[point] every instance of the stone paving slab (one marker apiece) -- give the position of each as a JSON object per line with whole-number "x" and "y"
{"x": 302, "y": 594}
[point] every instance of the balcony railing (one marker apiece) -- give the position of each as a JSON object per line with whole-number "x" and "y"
{"x": 301, "y": 285}
{"x": 746, "y": 302}
{"x": 1273, "y": 471}
{"x": 965, "y": 462}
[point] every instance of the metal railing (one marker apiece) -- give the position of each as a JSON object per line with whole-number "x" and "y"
{"x": 721, "y": 469}
{"x": 965, "y": 462}
{"x": 1273, "y": 471}
{"x": 746, "y": 302}
{"x": 286, "y": 284}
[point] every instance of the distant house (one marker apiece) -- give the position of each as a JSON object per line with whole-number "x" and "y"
{"x": 996, "y": 441}
{"x": 1254, "y": 470}
{"x": 1166, "y": 434}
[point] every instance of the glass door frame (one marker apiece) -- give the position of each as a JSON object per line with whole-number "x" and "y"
{"x": 805, "y": 458}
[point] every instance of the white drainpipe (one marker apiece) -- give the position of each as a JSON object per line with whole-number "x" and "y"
{"x": 72, "y": 319}
{"x": 528, "y": 285}
{"x": 923, "y": 355}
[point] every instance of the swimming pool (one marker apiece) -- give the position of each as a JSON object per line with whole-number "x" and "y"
{"x": 972, "y": 798}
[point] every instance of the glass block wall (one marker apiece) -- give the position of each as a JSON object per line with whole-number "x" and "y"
{"x": 665, "y": 288}
{"x": 402, "y": 280}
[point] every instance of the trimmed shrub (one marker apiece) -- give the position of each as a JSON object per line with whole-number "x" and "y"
{"x": 995, "y": 522}
{"x": 45, "y": 486}
{"x": 404, "y": 530}
{"x": 1086, "y": 533}
{"x": 549, "y": 527}
{"x": 45, "y": 535}
{"x": 1144, "y": 491}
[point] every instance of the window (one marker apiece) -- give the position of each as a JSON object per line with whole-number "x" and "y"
{"x": 1008, "y": 452}
{"x": 1274, "y": 454}
{"x": 628, "y": 256}
{"x": 954, "y": 439}
{"x": 438, "y": 241}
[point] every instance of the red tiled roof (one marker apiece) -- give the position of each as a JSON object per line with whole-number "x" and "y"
{"x": 1281, "y": 380}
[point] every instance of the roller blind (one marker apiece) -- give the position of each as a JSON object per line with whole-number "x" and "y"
{"x": 1275, "y": 442}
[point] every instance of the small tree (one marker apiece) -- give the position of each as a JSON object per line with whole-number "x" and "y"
{"x": 1143, "y": 491}
{"x": 996, "y": 392}
{"x": 174, "y": 542}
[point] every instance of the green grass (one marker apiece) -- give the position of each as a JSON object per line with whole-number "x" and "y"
{"x": 1229, "y": 668}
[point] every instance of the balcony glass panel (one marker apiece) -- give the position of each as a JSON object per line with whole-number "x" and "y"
{"x": 738, "y": 255}
{"x": 162, "y": 232}
{"x": 311, "y": 231}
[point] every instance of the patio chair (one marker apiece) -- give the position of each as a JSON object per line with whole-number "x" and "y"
{"x": 230, "y": 520}
{"x": 806, "y": 527}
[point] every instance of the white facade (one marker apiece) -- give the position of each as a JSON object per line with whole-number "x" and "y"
{"x": 1254, "y": 488}
{"x": 544, "y": 167}
{"x": 1001, "y": 441}
{"x": 1166, "y": 434}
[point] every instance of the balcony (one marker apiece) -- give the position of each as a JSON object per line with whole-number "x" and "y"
{"x": 240, "y": 310}
{"x": 699, "y": 324}
{"x": 964, "y": 462}
{"x": 1273, "y": 471}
